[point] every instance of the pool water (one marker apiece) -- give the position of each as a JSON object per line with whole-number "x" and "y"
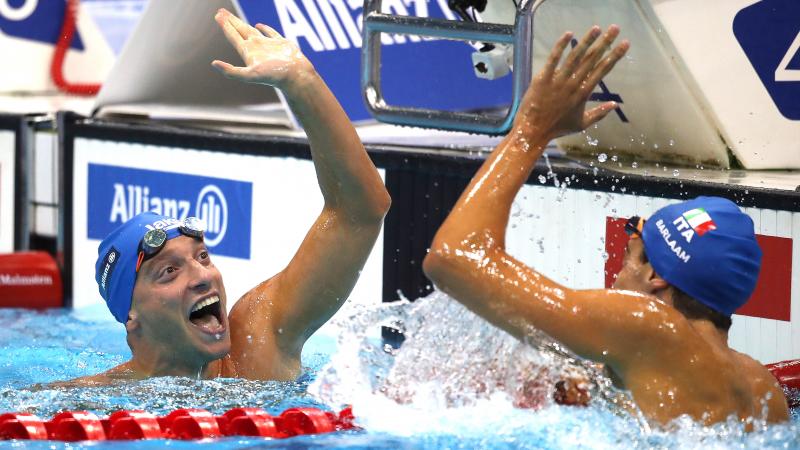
{"x": 455, "y": 383}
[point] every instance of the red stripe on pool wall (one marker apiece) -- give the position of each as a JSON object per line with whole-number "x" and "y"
{"x": 773, "y": 294}
{"x": 772, "y": 298}
{"x": 616, "y": 240}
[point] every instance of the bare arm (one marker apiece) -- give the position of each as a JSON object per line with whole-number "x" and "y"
{"x": 272, "y": 321}
{"x": 468, "y": 258}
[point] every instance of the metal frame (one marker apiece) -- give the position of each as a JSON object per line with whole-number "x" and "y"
{"x": 520, "y": 36}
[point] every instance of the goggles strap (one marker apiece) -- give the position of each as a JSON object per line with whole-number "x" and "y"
{"x": 139, "y": 261}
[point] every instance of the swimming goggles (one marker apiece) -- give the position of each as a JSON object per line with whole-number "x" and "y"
{"x": 154, "y": 240}
{"x": 634, "y": 227}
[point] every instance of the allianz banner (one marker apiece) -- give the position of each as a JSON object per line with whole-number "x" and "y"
{"x": 118, "y": 193}
{"x": 420, "y": 72}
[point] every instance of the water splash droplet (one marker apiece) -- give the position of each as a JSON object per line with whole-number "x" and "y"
{"x": 602, "y": 157}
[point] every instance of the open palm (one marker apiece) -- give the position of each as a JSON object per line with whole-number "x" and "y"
{"x": 556, "y": 99}
{"x": 269, "y": 58}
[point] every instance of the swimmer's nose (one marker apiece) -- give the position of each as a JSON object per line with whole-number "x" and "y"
{"x": 200, "y": 277}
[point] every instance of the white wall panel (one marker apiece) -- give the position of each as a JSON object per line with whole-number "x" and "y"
{"x": 752, "y": 325}
{"x": 7, "y": 190}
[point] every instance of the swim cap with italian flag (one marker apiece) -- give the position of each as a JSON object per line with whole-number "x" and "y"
{"x": 707, "y": 248}
{"x": 115, "y": 269}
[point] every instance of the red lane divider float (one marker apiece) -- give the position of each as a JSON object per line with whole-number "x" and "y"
{"x": 788, "y": 375}
{"x": 185, "y": 424}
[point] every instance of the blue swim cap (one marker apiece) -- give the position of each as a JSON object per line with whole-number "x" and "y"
{"x": 115, "y": 269}
{"x": 707, "y": 248}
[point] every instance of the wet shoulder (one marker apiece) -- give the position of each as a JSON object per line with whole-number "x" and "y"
{"x": 120, "y": 372}
{"x": 764, "y": 388}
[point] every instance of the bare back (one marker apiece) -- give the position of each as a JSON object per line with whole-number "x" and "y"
{"x": 703, "y": 378}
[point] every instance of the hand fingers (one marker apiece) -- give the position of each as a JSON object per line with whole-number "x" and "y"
{"x": 594, "y": 115}
{"x": 229, "y": 70}
{"x": 596, "y": 52}
{"x": 244, "y": 29}
{"x": 555, "y": 54}
{"x": 231, "y": 34}
{"x": 606, "y": 65}
{"x": 268, "y": 31}
{"x": 576, "y": 55}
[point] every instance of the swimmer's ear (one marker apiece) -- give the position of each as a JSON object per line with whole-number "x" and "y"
{"x": 656, "y": 282}
{"x": 133, "y": 322}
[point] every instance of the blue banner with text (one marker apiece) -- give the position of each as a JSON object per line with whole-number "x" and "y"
{"x": 115, "y": 194}
{"x": 419, "y": 72}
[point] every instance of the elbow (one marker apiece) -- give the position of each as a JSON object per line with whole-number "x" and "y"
{"x": 437, "y": 264}
{"x": 431, "y": 266}
{"x": 370, "y": 211}
{"x": 378, "y": 207}
{"x": 383, "y": 203}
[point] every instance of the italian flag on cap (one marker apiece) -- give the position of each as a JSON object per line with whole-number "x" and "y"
{"x": 700, "y": 221}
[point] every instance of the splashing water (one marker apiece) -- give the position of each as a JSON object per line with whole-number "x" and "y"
{"x": 456, "y": 375}
{"x": 455, "y": 383}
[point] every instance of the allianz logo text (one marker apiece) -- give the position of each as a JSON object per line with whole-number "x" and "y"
{"x": 336, "y": 24}
{"x": 116, "y": 194}
{"x": 210, "y": 206}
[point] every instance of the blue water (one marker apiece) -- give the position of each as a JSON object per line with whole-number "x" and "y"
{"x": 439, "y": 391}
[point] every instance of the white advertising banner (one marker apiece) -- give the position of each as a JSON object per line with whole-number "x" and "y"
{"x": 257, "y": 209}
{"x": 7, "y": 190}
{"x": 576, "y": 237}
{"x": 700, "y": 78}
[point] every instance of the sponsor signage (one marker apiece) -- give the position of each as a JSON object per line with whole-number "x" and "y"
{"x": 15, "y": 279}
{"x": 115, "y": 194}
{"x": 35, "y": 20}
{"x": 329, "y": 34}
{"x": 769, "y": 33}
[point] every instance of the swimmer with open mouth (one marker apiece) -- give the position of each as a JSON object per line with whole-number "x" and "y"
{"x": 157, "y": 276}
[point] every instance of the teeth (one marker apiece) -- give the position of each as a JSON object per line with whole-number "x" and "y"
{"x": 204, "y": 303}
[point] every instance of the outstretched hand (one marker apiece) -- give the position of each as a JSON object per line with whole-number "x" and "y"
{"x": 269, "y": 58}
{"x": 555, "y": 103}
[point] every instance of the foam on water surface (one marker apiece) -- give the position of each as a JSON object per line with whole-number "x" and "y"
{"x": 455, "y": 383}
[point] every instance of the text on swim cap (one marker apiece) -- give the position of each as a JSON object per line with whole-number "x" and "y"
{"x": 681, "y": 224}
{"x": 666, "y": 235}
{"x": 109, "y": 262}
{"x": 164, "y": 224}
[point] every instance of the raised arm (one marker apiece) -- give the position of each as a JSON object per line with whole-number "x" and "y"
{"x": 270, "y": 324}
{"x": 468, "y": 259}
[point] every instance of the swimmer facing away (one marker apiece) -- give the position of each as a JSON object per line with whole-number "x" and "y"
{"x": 158, "y": 278}
{"x": 662, "y": 331}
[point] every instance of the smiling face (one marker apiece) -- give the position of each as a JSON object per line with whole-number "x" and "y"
{"x": 178, "y": 321}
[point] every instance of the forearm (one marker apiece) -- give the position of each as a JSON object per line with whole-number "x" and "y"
{"x": 486, "y": 202}
{"x": 348, "y": 179}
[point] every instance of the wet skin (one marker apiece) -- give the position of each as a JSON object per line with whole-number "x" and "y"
{"x": 263, "y": 336}
{"x": 670, "y": 364}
